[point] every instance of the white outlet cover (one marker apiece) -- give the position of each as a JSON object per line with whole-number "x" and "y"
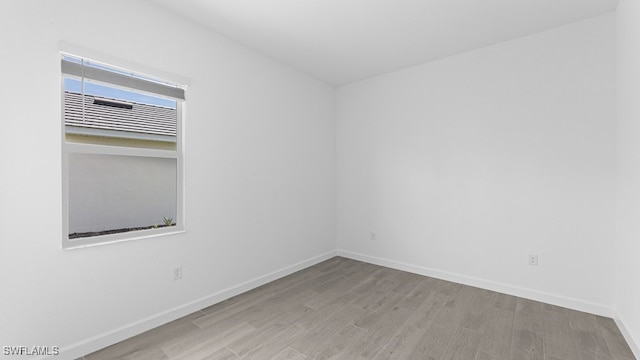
{"x": 177, "y": 273}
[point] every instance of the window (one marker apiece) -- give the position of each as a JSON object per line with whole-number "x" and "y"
{"x": 122, "y": 154}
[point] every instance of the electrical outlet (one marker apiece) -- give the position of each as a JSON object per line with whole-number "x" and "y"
{"x": 533, "y": 260}
{"x": 177, "y": 273}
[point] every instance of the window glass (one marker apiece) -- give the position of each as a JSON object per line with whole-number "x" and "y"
{"x": 122, "y": 154}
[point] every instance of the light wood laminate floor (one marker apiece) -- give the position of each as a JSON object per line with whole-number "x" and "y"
{"x": 346, "y": 309}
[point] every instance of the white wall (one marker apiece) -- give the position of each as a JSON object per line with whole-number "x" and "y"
{"x": 628, "y": 168}
{"x": 464, "y": 166}
{"x": 260, "y": 176}
{"x": 108, "y": 192}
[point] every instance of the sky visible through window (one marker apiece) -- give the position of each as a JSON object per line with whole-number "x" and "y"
{"x": 73, "y": 85}
{"x": 91, "y": 88}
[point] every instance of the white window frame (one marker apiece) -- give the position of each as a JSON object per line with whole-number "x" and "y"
{"x": 82, "y": 148}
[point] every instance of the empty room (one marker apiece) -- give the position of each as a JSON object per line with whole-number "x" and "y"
{"x": 366, "y": 180}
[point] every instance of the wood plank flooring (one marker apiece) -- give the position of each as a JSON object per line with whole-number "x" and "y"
{"x": 346, "y": 309}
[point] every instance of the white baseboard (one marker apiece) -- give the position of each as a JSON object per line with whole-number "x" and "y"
{"x": 545, "y": 297}
{"x": 87, "y": 346}
{"x": 635, "y": 347}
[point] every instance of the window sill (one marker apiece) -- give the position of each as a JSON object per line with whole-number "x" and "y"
{"x": 118, "y": 238}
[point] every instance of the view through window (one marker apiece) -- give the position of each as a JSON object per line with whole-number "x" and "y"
{"x": 122, "y": 154}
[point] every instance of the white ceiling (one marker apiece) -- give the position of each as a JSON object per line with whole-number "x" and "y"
{"x": 341, "y": 41}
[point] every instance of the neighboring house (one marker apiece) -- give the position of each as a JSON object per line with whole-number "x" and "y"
{"x": 119, "y": 191}
{"x": 148, "y": 125}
